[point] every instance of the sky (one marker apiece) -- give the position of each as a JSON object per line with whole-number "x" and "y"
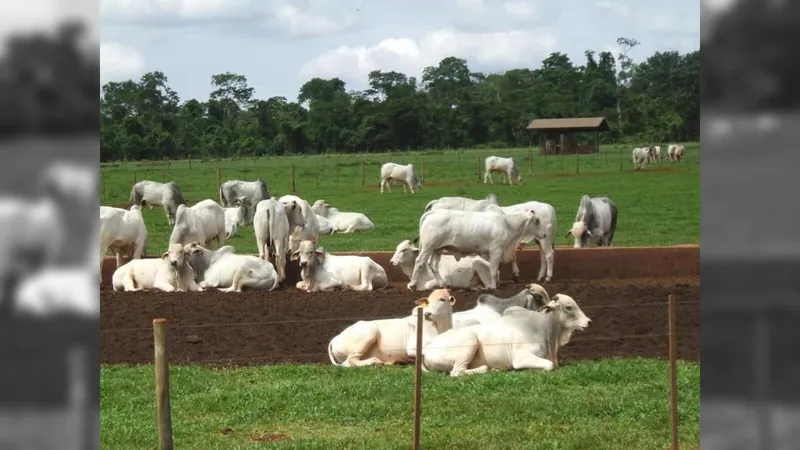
{"x": 280, "y": 44}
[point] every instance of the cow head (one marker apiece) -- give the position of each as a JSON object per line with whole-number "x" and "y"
{"x": 535, "y": 227}
{"x": 294, "y": 212}
{"x": 175, "y": 255}
{"x": 580, "y": 233}
{"x": 568, "y": 311}
{"x": 437, "y": 306}
{"x": 537, "y": 296}
{"x": 307, "y": 256}
{"x": 405, "y": 253}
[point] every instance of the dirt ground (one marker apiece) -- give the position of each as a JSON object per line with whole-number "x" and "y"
{"x": 292, "y": 326}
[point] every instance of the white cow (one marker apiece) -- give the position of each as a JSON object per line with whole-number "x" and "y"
{"x": 321, "y": 271}
{"x": 229, "y": 272}
{"x": 345, "y": 222}
{"x": 490, "y": 307}
{"x": 237, "y": 216}
{"x": 521, "y": 339}
{"x": 169, "y": 273}
{"x": 231, "y": 192}
{"x": 57, "y": 291}
{"x": 506, "y": 166}
{"x": 640, "y": 157}
{"x": 392, "y": 173}
{"x": 153, "y": 193}
{"x": 492, "y": 235}
{"x": 676, "y": 152}
{"x": 389, "y": 341}
{"x": 547, "y": 215}
{"x": 122, "y": 231}
{"x": 596, "y": 221}
{"x": 202, "y": 222}
{"x": 468, "y": 272}
{"x": 307, "y": 232}
{"x": 273, "y": 224}
{"x": 325, "y": 227}
{"x": 462, "y": 203}
{"x": 654, "y": 154}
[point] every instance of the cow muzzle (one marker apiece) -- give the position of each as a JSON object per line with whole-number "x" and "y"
{"x": 303, "y": 264}
{"x": 427, "y": 316}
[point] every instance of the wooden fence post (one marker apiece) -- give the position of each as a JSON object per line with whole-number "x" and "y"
{"x": 577, "y": 164}
{"x": 363, "y": 181}
{"x": 620, "y": 158}
{"x": 418, "y": 381}
{"x": 478, "y": 167}
{"x": 673, "y": 381}
{"x": 293, "y": 185}
{"x": 337, "y": 173}
{"x": 423, "y": 170}
{"x": 530, "y": 161}
{"x": 162, "y": 384}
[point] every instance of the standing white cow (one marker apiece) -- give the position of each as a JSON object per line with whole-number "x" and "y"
{"x": 231, "y": 192}
{"x": 596, "y": 221}
{"x": 153, "y": 193}
{"x": 675, "y": 152}
{"x": 309, "y": 231}
{"x": 237, "y": 216}
{"x": 547, "y": 251}
{"x": 344, "y": 222}
{"x": 392, "y": 173}
{"x": 203, "y": 222}
{"x": 321, "y": 271}
{"x": 122, "y": 231}
{"x": 521, "y": 339}
{"x": 654, "y": 154}
{"x": 274, "y": 223}
{"x": 462, "y": 203}
{"x": 506, "y": 166}
{"x": 492, "y": 235}
{"x": 229, "y": 272}
{"x": 389, "y": 341}
{"x": 169, "y": 273}
{"x": 490, "y": 307}
{"x": 640, "y": 157}
{"x": 468, "y": 272}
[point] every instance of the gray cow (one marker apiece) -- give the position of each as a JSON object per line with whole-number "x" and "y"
{"x": 596, "y": 221}
{"x": 153, "y": 193}
{"x": 232, "y": 190}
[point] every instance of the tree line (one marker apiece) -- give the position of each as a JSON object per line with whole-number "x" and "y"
{"x": 656, "y": 100}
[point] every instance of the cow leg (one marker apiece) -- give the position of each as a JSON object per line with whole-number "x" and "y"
{"x": 170, "y": 217}
{"x": 483, "y": 272}
{"x": 422, "y": 260}
{"x": 366, "y": 280}
{"x": 433, "y": 265}
{"x": 280, "y": 260}
{"x": 381, "y": 185}
{"x": 486, "y": 177}
{"x": 164, "y": 286}
{"x": 494, "y": 270}
{"x": 514, "y": 269}
{"x": 240, "y": 278}
{"x": 462, "y": 354}
{"x": 527, "y": 360}
{"x": 480, "y": 369}
{"x": 128, "y": 283}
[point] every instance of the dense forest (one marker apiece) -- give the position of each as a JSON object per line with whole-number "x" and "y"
{"x": 655, "y": 100}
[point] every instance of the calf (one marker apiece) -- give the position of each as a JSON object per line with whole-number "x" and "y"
{"x": 322, "y": 271}
{"x": 506, "y": 166}
{"x": 345, "y": 222}
{"x": 467, "y": 272}
{"x": 169, "y": 273}
{"x": 490, "y": 307}
{"x": 203, "y": 222}
{"x": 228, "y": 272}
{"x": 389, "y": 341}
{"x": 399, "y": 174}
{"x": 122, "y": 231}
{"x": 596, "y": 221}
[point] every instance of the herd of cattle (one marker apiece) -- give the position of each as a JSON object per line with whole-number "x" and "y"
{"x": 644, "y": 155}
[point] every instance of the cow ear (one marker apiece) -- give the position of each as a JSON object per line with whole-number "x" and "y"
{"x": 422, "y": 301}
{"x": 545, "y": 309}
{"x": 452, "y": 300}
{"x": 295, "y": 256}
{"x": 165, "y": 255}
{"x": 588, "y": 233}
{"x": 569, "y": 233}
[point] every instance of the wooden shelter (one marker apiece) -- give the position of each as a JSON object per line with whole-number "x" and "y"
{"x": 558, "y": 136}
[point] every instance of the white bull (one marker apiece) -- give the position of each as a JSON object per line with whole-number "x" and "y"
{"x": 393, "y": 173}
{"x": 521, "y": 339}
{"x": 506, "y": 166}
{"x": 232, "y": 191}
{"x": 123, "y": 232}
{"x": 389, "y": 341}
{"x": 468, "y": 272}
{"x": 169, "y": 273}
{"x": 228, "y": 272}
{"x": 321, "y": 271}
{"x": 492, "y": 235}
{"x": 307, "y": 232}
{"x": 640, "y": 157}
{"x": 273, "y": 224}
{"x": 202, "y": 222}
{"x": 547, "y": 216}
{"x": 153, "y": 193}
{"x": 462, "y": 203}
{"x": 344, "y": 222}
{"x": 490, "y": 307}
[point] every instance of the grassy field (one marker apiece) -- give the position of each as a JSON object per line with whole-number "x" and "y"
{"x": 588, "y": 405}
{"x": 659, "y": 205}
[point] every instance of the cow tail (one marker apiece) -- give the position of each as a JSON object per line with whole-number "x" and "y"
{"x": 221, "y": 199}
{"x": 331, "y": 355}
{"x": 133, "y": 195}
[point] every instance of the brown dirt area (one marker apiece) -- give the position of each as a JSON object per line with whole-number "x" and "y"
{"x": 294, "y": 326}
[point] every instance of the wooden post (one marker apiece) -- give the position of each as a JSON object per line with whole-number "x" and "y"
{"x": 423, "y": 170}
{"x": 190, "y": 162}
{"x": 620, "y": 158}
{"x": 577, "y": 159}
{"x": 337, "y": 173}
{"x": 763, "y": 378}
{"x": 362, "y": 173}
{"x": 134, "y": 177}
{"x": 293, "y": 185}
{"x": 530, "y": 161}
{"x": 418, "y": 380}
{"x": 219, "y": 179}
{"x": 162, "y": 384}
{"x": 478, "y": 167}
{"x": 673, "y": 377}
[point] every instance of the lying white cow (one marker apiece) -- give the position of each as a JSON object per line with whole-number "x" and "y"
{"x": 169, "y": 273}
{"x": 231, "y": 192}
{"x": 654, "y": 154}
{"x": 392, "y": 173}
{"x": 324, "y": 227}
{"x": 490, "y": 307}
{"x": 273, "y": 224}
{"x": 229, "y": 272}
{"x": 153, "y": 193}
{"x": 470, "y": 272}
{"x": 344, "y": 222}
{"x": 596, "y": 221}
{"x": 492, "y": 235}
{"x": 58, "y": 291}
{"x": 521, "y": 339}
{"x": 122, "y": 231}
{"x": 640, "y": 157}
{"x": 506, "y": 166}
{"x": 307, "y": 232}
{"x": 547, "y": 216}
{"x": 389, "y": 341}
{"x": 462, "y": 203}
{"x": 203, "y": 222}
{"x": 237, "y": 216}
{"x": 322, "y": 271}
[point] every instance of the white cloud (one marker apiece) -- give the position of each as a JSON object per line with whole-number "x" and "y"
{"x": 143, "y": 10}
{"x": 302, "y": 24}
{"x": 521, "y": 10}
{"x": 496, "y": 49}
{"x": 119, "y": 62}
{"x": 614, "y": 7}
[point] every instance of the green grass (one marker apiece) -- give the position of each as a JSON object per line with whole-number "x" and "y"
{"x": 657, "y": 207}
{"x": 617, "y": 404}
